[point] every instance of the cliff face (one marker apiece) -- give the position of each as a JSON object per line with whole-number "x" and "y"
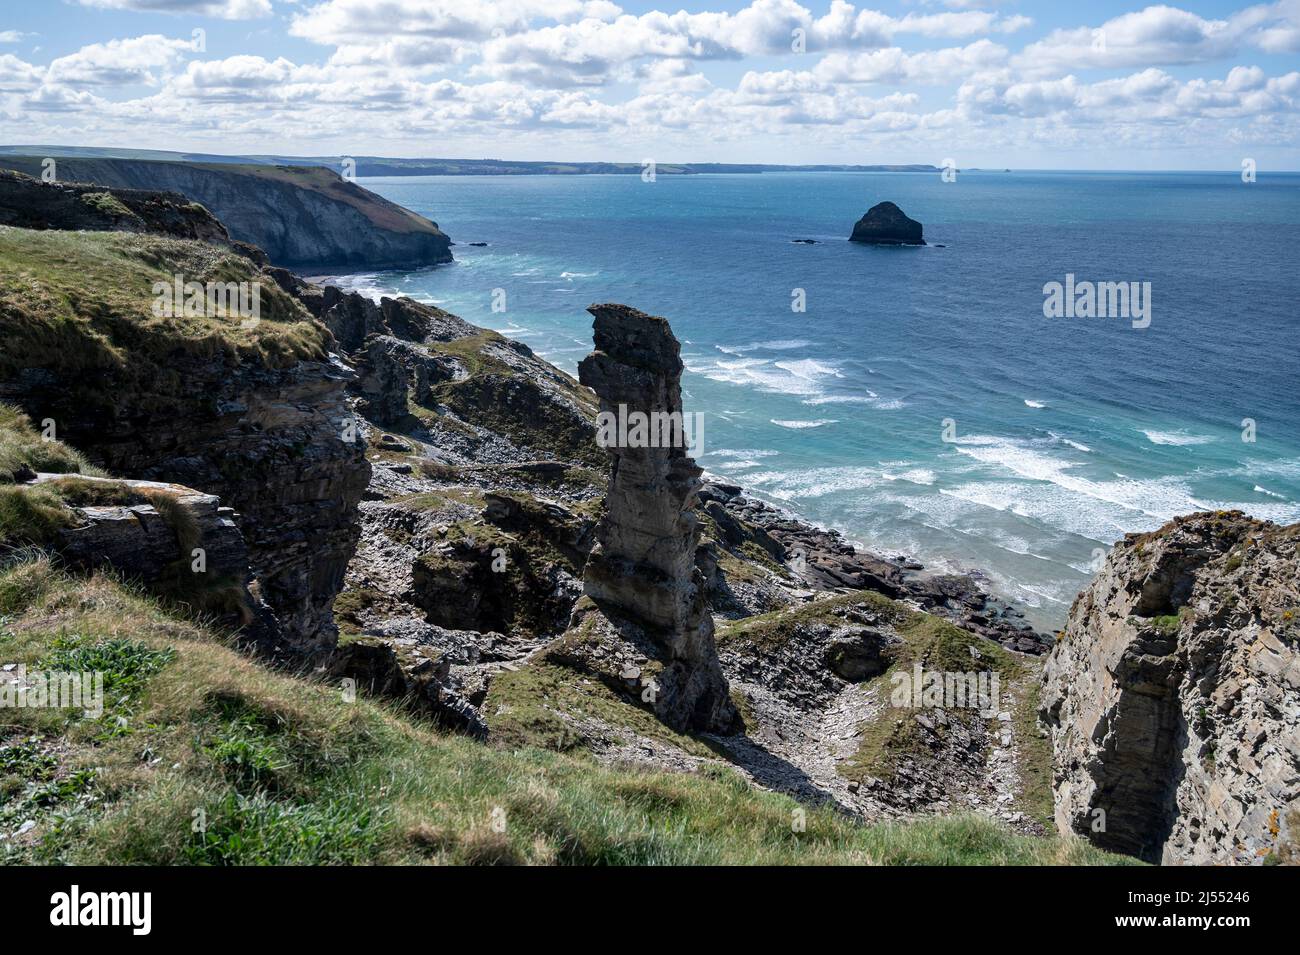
{"x": 1173, "y": 697}
{"x": 253, "y": 410}
{"x": 299, "y": 215}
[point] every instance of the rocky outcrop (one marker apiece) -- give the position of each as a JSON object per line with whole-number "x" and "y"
{"x": 278, "y": 445}
{"x": 255, "y": 412}
{"x": 299, "y": 215}
{"x": 171, "y": 539}
{"x": 822, "y": 560}
{"x": 886, "y": 224}
{"x": 1173, "y": 697}
{"x": 31, "y": 204}
{"x": 641, "y": 574}
{"x": 392, "y": 373}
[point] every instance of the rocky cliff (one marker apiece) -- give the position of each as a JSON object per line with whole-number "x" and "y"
{"x": 302, "y": 216}
{"x": 248, "y": 407}
{"x": 1173, "y": 696}
{"x": 31, "y": 204}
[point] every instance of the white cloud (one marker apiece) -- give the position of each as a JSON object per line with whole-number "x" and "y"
{"x": 225, "y": 9}
{"x": 581, "y": 77}
{"x": 118, "y": 62}
{"x": 18, "y": 76}
{"x": 364, "y": 22}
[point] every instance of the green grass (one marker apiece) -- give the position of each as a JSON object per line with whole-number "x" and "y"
{"x": 771, "y": 631}
{"x": 22, "y": 446}
{"x": 31, "y": 515}
{"x": 1035, "y": 764}
{"x": 229, "y": 763}
{"x": 108, "y": 204}
{"x": 80, "y": 304}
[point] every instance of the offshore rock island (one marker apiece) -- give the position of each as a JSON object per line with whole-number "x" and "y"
{"x": 886, "y": 224}
{"x": 364, "y": 569}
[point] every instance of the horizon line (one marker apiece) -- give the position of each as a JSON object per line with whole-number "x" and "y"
{"x": 848, "y": 166}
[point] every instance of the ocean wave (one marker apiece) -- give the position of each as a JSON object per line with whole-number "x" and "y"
{"x": 814, "y": 482}
{"x": 570, "y": 276}
{"x": 780, "y": 344}
{"x": 1177, "y": 438}
{"x": 742, "y": 453}
{"x": 922, "y": 476}
{"x": 800, "y": 378}
{"x": 867, "y": 399}
{"x": 1035, "y": 404}
{"x": 1264, "y": 490}
{"x": 799, "y": 425}
{"x": 810, "y": 369}
{"x": 1154, "y": 499}
{"x": 1074, "y": 444}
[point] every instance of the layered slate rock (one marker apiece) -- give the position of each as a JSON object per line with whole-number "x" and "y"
{"x": 647, "y": 626}
{"x": 886, "y": 224}
{"x": 1173, "y": 697}
{"x": 167, "y": 537}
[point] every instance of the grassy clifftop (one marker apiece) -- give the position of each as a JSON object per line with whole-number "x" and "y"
{"x": 82, "y": 302}
{"x": 202, "y": 756}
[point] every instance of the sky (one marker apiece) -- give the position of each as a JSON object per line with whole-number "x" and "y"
{"x": 1019, "y": 84}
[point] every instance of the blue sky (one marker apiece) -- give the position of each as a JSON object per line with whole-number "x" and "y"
{"x": 1019, "y": 84}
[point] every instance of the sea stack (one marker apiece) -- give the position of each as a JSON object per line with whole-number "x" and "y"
{"x": 645, "y": 626}
{"x": 886, "y": 224}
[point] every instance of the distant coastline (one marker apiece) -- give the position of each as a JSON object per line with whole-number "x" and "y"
{"x": 389, "y": 166}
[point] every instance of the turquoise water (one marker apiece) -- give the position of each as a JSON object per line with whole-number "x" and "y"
{"x": 1068, "y": 432}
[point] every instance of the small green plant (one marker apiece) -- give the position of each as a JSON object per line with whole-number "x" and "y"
{"x": 126, "y": 664}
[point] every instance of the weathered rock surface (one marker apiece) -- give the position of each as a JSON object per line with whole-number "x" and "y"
{"x": 29, "y": 203}
{"x": 300, "y": 215}
{"x": 279, "y": 445}
{"x": 886, "y": 224}
{"x": 824, "y": 561}
{"x": 171, "y": 539}
{"x": 1173, "y": 696}
{"x": 641, "y": 573}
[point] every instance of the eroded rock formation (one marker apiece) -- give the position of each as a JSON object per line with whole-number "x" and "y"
{"x": 1173, "y": 697}
{"x": 886, "y": 224}
{"x": 641, "y": 573}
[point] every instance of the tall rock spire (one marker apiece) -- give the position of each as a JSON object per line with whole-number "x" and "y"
{"x": 641, "y": 574}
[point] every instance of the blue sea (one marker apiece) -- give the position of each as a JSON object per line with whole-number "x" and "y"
{"x": 1062, "y": 434}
